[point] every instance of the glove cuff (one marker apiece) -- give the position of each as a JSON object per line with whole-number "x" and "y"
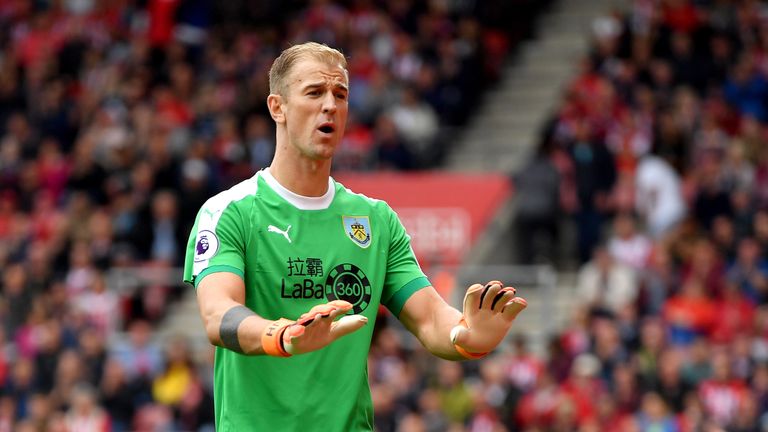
{"x": 464, "y": 353}
{"x": 272, "y": 338}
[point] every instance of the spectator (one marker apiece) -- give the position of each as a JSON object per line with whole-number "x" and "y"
{"x": 537, "y": 408}
{"x": 100, "y": 307}
{"x": 537, "y": 187}
{"x": 119, "y": 397}
{"x": 99, "y": 115}
{"x": 85, "y": 414}
{"x": 582, "y": 388}
{"x": 595, "y": 176}
{"x": 736, "y": 314}
{"x": 655, "y": 415}
{"x": 522, "y": 367}
{"x": 723, "y": 395}
{"x": 170, "y": 386}
{"x": 17, "y": 297}
{"x": 455, "y": 398}
{"x": 393, "y": 152}
{"x": 626, "y": 245}
{"x": 606, "y": 286}
{"x": 697, "y": 366}
{"x": 417, "y": 123}
{"x": 140, "y": 356}
{"x": 659, "y": 197}
{"x": 669, "y": 383}
{"x": 658, "y": 280}
{"x": 20, "y": 387}
{"x": 651, "y": 349}
{"x": 746, "y": 88}
{"x": 690, "y": 314}
{"x": 69, "y": 375}
{"x": 749, "y": 272}
{"x": 106, "y": 108}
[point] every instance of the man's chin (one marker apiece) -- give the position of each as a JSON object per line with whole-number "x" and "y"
{"x": 322, "y": 151}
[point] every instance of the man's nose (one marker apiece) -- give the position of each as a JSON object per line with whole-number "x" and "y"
{"x": 329, "y": 103}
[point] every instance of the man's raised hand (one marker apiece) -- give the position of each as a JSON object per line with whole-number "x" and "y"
{"x": 487, "y": 317}
{"x": 312, "y": 331}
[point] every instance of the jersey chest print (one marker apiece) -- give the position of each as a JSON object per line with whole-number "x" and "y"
{"x": 330, "y": 275}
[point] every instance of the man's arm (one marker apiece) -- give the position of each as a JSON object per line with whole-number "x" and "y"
{"x": 230, "y": 324}
{"x": 430, "y": 319}
{"x": 447, "y": 333}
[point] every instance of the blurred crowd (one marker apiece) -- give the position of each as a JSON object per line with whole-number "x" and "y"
{"x": 119, "y": 118}
{"x": 657, "y": 158}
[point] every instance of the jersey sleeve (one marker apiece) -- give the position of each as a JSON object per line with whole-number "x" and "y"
{"x": 216, "y": 243}
{"x": 403, "y": 275}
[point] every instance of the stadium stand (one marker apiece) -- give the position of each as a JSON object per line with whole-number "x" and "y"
{"x": 659, "y": 146}
{"x": 112, "y": 112}
{"x": 118, "y": 119}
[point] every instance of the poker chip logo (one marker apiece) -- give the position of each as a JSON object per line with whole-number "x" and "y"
{"x": 347, "y": 282}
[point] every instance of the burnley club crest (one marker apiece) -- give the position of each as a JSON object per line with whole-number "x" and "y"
{"x": 358, "y": 229}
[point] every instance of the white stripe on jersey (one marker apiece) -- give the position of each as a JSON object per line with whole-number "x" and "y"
{"x": 214, "y": 207}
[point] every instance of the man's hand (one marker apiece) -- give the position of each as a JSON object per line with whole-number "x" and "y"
{"x": 312, "y": 331}
{"x": 488, "y": 314}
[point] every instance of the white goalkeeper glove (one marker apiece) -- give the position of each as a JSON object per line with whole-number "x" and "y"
{"x": 488, "y": 314}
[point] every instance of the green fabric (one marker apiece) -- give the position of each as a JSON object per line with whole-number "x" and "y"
{"x": 217, "y": 269}
{"x": 292, "y": 259}
{"x": 397, "y": 301}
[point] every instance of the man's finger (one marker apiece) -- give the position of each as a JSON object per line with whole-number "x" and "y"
{"x": 337, "y": 313}
{"x": 514, "y": 307}
{"x": 489, "y": 294}
{"x": 347, "y": 324}
{"x": 341, "y": 304}
{"x": 472, "y": 297}
{"x": 485, "y": 292}
{"x": 502, "y": 298}
{"x": 323, "y": 311}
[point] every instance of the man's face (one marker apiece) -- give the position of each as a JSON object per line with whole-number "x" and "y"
{"x": 315, "y": 108}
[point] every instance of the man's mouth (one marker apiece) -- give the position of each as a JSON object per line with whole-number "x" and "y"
{"x": 326, "y": 128}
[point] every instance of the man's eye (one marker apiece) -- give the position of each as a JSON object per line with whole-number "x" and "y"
{"x": 341, "y": 96}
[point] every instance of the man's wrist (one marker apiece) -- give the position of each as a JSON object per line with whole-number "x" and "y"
{"x": 461, "y": 326}
{"x": 272, "y": 338}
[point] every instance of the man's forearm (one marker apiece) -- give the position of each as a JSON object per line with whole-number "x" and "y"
{"x": 239, "y": 329}
{"x": 434, "y": 331}
{"x": 230, "y": 323}
{"x": 437, "y": 337}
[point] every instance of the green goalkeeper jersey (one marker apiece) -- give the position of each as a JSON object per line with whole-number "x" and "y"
{"x": 293, "y": 253}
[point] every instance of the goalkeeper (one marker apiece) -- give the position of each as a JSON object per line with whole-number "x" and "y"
{"x": 290, "y": 268}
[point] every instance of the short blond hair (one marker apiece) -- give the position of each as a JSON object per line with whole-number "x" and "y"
{"x": 282, "y": 65}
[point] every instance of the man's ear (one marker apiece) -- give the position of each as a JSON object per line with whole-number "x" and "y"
{"x": 275, "y": 105}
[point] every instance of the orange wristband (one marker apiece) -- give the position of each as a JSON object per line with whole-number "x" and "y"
{"x": 272, "y": 338}
{"x": 466, "y": 354}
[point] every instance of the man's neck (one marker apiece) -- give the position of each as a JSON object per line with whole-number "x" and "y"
{"x": 305, "y": 177}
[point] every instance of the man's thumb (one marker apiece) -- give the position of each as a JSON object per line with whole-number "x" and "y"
{"x": 459, "y": 335}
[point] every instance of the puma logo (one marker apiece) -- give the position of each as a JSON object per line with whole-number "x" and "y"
{"x": 211, "y": 213}
{"x": 277, "y": 230}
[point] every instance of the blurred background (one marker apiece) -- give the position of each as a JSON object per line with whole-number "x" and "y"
{"x": 609, "y": 158}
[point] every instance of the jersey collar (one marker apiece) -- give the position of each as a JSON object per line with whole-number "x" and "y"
{"x": 299, "y": 201}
